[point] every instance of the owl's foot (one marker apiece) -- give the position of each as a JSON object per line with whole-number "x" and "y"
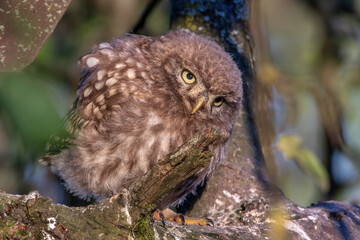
{"x": 169, "y": 215}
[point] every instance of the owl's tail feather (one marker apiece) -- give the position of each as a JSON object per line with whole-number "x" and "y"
{"x": 64, "y": 137}
{"x": 54, "y": 146}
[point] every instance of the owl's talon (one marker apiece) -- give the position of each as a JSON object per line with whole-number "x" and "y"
{"x": 182, "y": 219}
{"x": 163, "y": 220}
{"x": 169, "y": 215}
{"x": 152, "y": 219}
{"x": 210, "y": 222}
{"x": 159, "y": 216}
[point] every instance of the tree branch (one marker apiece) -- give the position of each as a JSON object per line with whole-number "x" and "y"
{"x": 175, "y": 168}
{"x": 149, "y": 8}
{"x": 33, "y": 216}
{"x": 25, "y": 27}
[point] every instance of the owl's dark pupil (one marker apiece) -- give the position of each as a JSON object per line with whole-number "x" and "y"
{"x": 219, "y": 99}
{"x": 189, "y": 76}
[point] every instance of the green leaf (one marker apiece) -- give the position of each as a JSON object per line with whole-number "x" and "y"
{"x": 289, "y": 145}
{"x": 311, "y": 165}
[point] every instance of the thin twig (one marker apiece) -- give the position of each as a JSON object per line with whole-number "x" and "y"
{"x": 140, "y": 24}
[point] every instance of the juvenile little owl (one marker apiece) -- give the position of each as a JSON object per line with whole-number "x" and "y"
{"x": 139, "y": 98}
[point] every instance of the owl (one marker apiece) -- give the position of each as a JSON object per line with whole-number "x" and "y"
{"x": 140, "y": 98}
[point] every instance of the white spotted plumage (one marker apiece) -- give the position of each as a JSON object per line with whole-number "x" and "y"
{"x": 91, "y": 62}
{"x": 133, "y": 107}
{"x": 110, "y": 82}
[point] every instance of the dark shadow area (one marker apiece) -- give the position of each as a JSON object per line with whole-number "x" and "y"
{"x": 190, "y": 200}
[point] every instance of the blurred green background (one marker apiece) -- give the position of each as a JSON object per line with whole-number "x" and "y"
{"x": 308, "y": 57}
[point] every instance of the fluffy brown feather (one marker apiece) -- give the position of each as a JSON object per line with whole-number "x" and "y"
{"x": 134, "y": 106}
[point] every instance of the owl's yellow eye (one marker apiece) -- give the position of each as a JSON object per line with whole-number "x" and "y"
{"x": 188, "y": 77}
{"x": 218, "y": 101}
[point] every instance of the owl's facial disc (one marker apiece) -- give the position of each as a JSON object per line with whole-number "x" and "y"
{"x": 198, "y": 92}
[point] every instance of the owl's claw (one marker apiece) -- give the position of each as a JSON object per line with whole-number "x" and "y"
{"x": 199, "y": 221}
{"x": 182, "y": 217}
{"x": 152, "y": 219}
{"x": 210, "y": 222}
{"x": 163, "y": 220}
{"x": 169, "y": 215}
{"x": 159, "y": 216}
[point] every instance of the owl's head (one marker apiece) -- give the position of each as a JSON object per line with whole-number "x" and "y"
{"x": 201, "y": 73}
{"x": 179, "y": 72}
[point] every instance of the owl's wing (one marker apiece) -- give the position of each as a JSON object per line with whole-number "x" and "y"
{"x": 98, "y": 89}
{"x": 65, "y": 136}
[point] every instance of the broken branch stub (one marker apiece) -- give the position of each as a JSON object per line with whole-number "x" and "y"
{"x": 174, "y": 168}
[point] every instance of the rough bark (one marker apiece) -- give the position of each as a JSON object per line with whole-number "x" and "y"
{"x": 124, "y": 215}
{"x": 239, "y": 197}
{"x": 243, "y": 174}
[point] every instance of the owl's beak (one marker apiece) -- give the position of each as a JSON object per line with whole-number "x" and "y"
{"x": 199, "y": 103}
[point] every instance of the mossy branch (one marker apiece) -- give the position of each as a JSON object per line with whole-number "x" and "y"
{"x": 34, "y": 217}
{"x": 175, "y": 168}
